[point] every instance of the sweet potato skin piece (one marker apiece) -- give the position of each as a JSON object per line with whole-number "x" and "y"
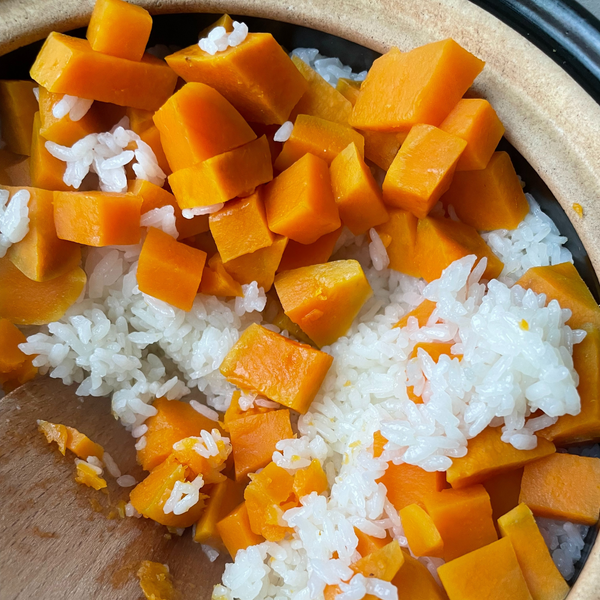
{"x": 489, "y": 456}
{"x": 489, "y": 572}
{"x": 563, "y": 486}
{"x": 257, "y": 77}
{"x": 420, "y": 86}
{"x": 490, "y": 198}
{"x": 27, "y": 302}
{"x": 170, "y": 270}
{"x": 17, "y": 109}
{"x": 543, "y": 578}
{"x": 283, "y": 370}
{"x": 68, "y": 65}
{"x": 235, "y": 531}
{"x": 422, "y": 170}
{"x": 399, "y": 236}
{"x": 119, "y": 28}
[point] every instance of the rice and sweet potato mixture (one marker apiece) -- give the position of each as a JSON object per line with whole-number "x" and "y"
{"x": 350, "y": 350}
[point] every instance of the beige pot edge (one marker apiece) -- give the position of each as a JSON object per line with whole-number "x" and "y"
{"x": 549, "y": 118}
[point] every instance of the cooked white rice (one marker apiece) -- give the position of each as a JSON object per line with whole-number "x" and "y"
{"x": 284, "y": 132}
{"x": 329, "y": 68}
{"x": 14, "y": 218}
{"x": 162, "y": 218}
{"x": 218, "y": 39}
{"x": 73, "y": 106}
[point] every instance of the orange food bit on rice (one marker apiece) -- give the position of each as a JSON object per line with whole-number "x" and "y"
{"x": 235, "y": 531}
{"x": 54, "y": 432}
{"x": 155, "y": 581}
{"x": 421, "y": 533}
{"x": 88, "y": 475}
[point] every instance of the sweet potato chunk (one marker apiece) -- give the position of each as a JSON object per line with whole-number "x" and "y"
{"x": 169, "y": 270}
{"x": 41, "y": 255}
{"x": 399, "y": 236}
{"x": 504, "y": 490}
{"x": 155, "y": 581}
{"x": 415, "y": 582}
{"x": 216, "y": 281}
{"x": 475, "y": 121}
{"x": 423, "y": 537}
{"x": 325, "y": 139}
{"x": 490, "y": 198}
{"x": 87, "y": 475}
{"x": 54, "y": 432}
{"x": 422, "y": 313}
{"x": 368, "y": 544}
{"x": 463, "y": 518}
{"x": 310, "y": 479}
{"x": 489, "y": 572}
{"x": 235, "y": 531}
{"x": 27, "y": 302}
{"x": 563, "y": 486}
{"x": 254, "y": 438}
{"x": 68, "y": 65}
{"x": 119, "y": 28}
{"x": 11, "y": 357}
{"x": 407, "y": 484}
{"x": 299, "y": 202}
{"x": 441, "y": 241}
{"x": 223, "y": 177}
{"x": 543, "y": 578}
{"x": 324, "y": 299}
{"x": 17, "y": 109}
{"x": 257, "y": 77}
{"x": 97, "y": 218}
{"x": 420, "y": 86}
{"x": 563, "y": 283}
{"x": 298, "y": 255}
{"x": 356, "y": 193}
{"x": 197, "y": 123}
{"x": 81, "y": 445}
{"x": 14, "y": 169}
{"x": 488, "y": 456}
{"x": 422, "y": 170}
{"x": 281, "y": 369}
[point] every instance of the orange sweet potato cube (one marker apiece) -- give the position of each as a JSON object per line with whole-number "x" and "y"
{"x": 253, "y": 439}
{"x": 403, "y": 89}
{"x": 310, "y": 479}
{"x": 223, "y": 177}
{"x": 422, "y": 170}
{"x": 563, "y": 486}
{"x": 320, "y": 137}
{"x": 421, "y": 533}
{"x": 399, "y": 236}
{"x": 169, "y": 270}
{"x": 68, "y": 65}
{"x": 17, "y": 109}
{"x": 463, "y": 518}
{"x": 441, "y": 241}
{"x": 282, "y": 370}
{"x": 298, "y": 255}
{"x": 299, "y": 202}
{"x": 97, "y": 218}
{"x": 416, "y": 582}
{"x": 81, "y": 445}
{"x": 504, "y": 490}
{"x": 11, "y": 357}
{"x": 367, "y": 544}
{"x": 257, "y": 76}
{"x": 119, "y": 28}
{"x": 197, "y": 123}
{"x": 235, "y": 531}
{"x": 216, "y": 281}
{"x": 324, "y": 299}
{"x": 475, "y": 121}
{"x": 356, "y": 193}
{"x": 490, "y": 198}
{"x": 422, "y": 313}
{"x": 240, "y": 227}
{"x": 41, "y": 255}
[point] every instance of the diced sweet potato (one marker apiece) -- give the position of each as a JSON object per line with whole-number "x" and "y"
{"x": 441, "y": 241}
{"x": 435, "y": 350}
{"x": 325, "y": 139}
{"x": 282, "y": 321}
{"x": 488, "y": 456}
{"x": 298, "y": 255}
{"x": 543, "y": 578}
{"x": 489, "y": 572}
{"x": 240, "y": 227}
{"x": 463, "y": 518}
{"x": 422, "y": 170}
{"x": 27, "y": 302}
{"x": 81, "y": 445}
{"x": 224, "y": 21}
{"x": 119, "y": 28}
{"x": 41, "y": 255}
{"x": 585, "y": 426}
{"x": 368, "y": 544}
{"x": 11, "y": 357}
{"x": 197, "y": 123}
{"x": 399, "y": 236}
{"x": 235, "y": 531}
{"x": 408, "y": 484}
{"x": 254, "y": 438}
{"x": 299, "y": 202}
{"x": 17, "y": 109}
{"x": 151, "y": 136}
{"x": 87, "y": 475}
{"x": 324, "y": 299}
{"x": 475, "y": 121}
{"x": 216, "y": 281}
{"x": 259, "y": 266}
{"x": 504, "y": 490}
{"x": 489, "y": 198}
{"x": 11, "y": 381}
{"x": 173, "y": 422}
{"x": 185, "y": 452}
{"x": 415, "y": 582}
{"x": 281, "y": 369}
{"x": 320, "y": 99}
{"x": 310, "y": 479}
{"x": 422, "y": 313}
{"x": 356, "y": 193}
{"x": 223, "y": 177}
{"x": 155, "y": 581}
{"x": 169, "y": 270}
{"x": 54, "y": 432}
{"x": 234, "y": 411}
{"x": 423, "y": 537}
{"x": 97, "y": 218}
{"x": 256, "y": 76}
{"x": 563, "y": 486}
{"x": 403, "y": 89}
{"x": 68, "y": 65}
{"x": 14, "y": 169}
{"x": 563, "y": 283}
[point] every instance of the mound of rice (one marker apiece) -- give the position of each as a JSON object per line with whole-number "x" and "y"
{"x": 14, "y": 218}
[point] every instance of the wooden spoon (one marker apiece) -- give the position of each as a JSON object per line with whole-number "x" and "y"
{"x": 60, "y": 539}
